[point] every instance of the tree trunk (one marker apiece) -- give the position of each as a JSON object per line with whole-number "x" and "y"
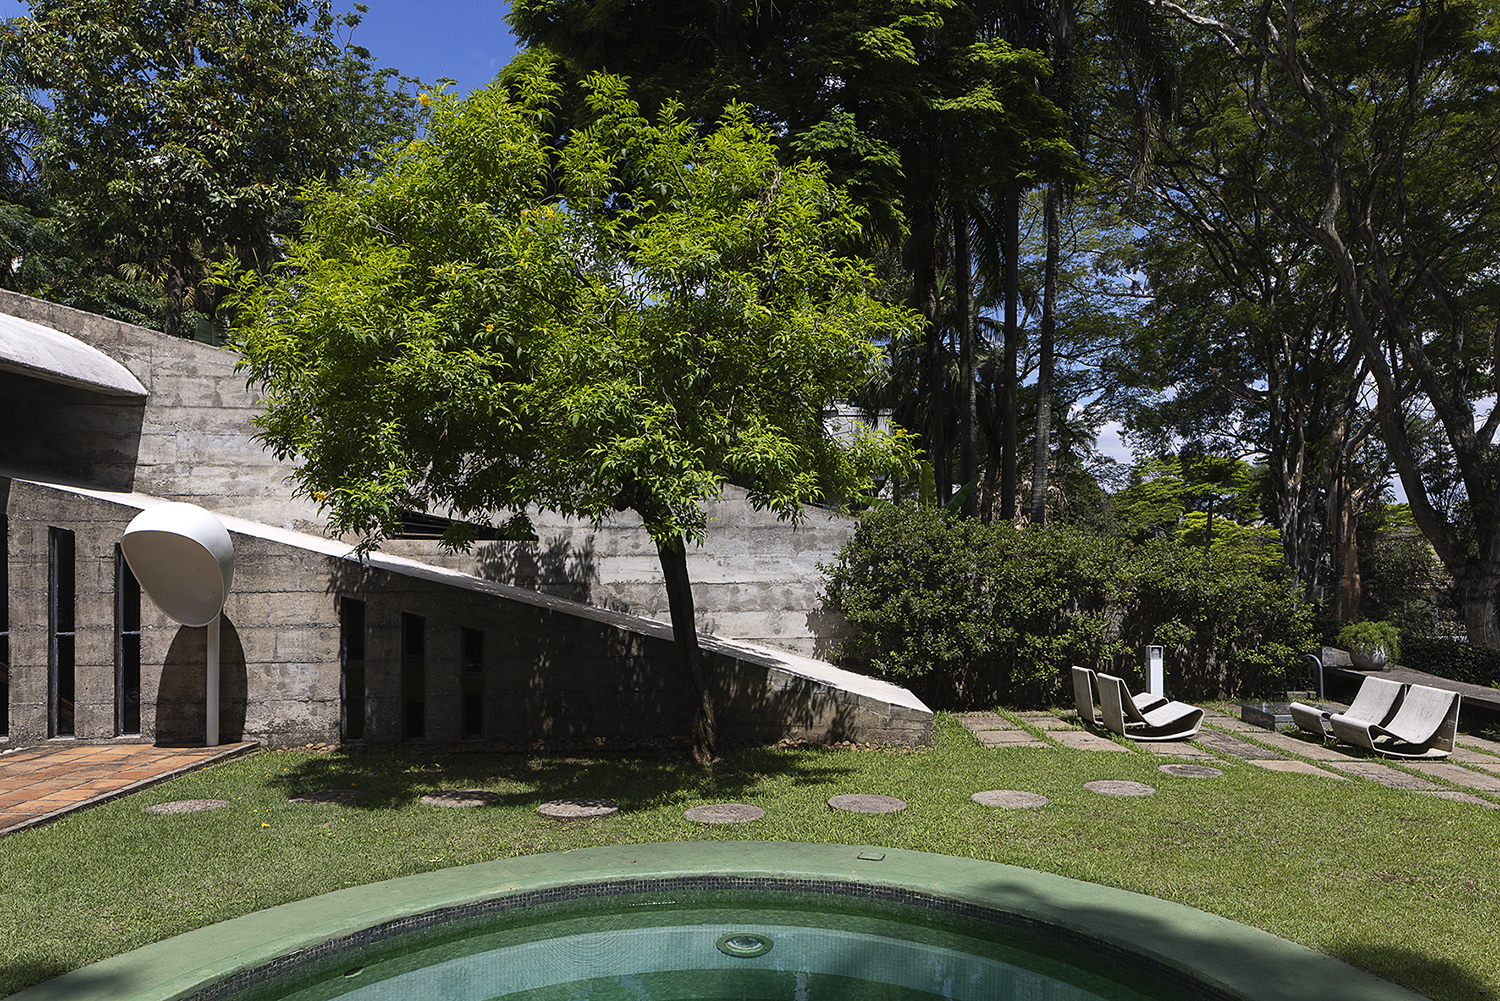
{"x": 921, "y": 257}
{"x": 1010, "y": 226}
{"x": 1043, "y": 454}
{"x": 968, "y": 462}
{"x": 1474, "y": 586}
{"x": 704, "y": 727}
{"x": 178, "y": 262}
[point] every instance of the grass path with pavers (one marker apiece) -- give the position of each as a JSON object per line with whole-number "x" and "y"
{"x": 1401, "y": 881}
{"x": 1471, "y": 774}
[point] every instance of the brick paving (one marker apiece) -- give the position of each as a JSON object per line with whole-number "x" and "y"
{"x": 40, "y": 784}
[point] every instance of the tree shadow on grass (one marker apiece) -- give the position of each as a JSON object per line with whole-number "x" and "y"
{"x": 398, "y": 777}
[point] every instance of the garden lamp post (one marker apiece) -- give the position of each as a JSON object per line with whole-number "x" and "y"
{"x": 184, "y": 560}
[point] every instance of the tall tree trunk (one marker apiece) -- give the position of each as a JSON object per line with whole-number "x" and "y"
{"x": 968, "y": 435}
{"x": 1010, "y": 225}
{"x": 178, "y": 262}
{"x": 704, "y": 727}
{"x": 921, "y": 257}
{"x": 1043, "y": 455}
{"x": 1474, "y": 586}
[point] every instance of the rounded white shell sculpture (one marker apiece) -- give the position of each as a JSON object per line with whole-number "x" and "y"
{"x": 183, "y": 558}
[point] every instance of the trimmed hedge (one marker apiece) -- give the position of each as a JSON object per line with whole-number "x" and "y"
{"x": 1453, "y": 659}
{"x": 977, "y": 615}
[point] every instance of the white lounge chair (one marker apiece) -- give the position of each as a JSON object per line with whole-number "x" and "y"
{"x": 1376, "y": 702}
{"x": 1166, "y": 721}
{"x": 1424, "y": 727}
{"x": 1085, "y": 694}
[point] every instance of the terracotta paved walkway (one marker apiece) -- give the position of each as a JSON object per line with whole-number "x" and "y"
{"x": 38, "y": 784}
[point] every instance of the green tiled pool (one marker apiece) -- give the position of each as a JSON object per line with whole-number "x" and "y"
{"x": 744, "y": 920}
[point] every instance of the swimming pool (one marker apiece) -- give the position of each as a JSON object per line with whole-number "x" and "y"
{"x": 724, "y": 919}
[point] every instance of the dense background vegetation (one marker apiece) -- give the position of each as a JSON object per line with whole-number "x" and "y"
{"x": 1259, "y": 241}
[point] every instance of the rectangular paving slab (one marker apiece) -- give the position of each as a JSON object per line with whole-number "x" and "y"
{"x": 1047, "y": 721}
{"x": 1384, "y": 774}
{"x": 1295, "y": 767}
{"x": 1315, "y": 749}
{"x": 1462, "y": 797}
{"x": 986, "y": 721}
{"x": 1459, "y": 775}
{"x": 1010, "y": 738}
{"x": 1177, "y": 749}
{"x": 1232, "y": 746}
{"x": 1081, "y": 740}
{"x": 1469, "y": 740}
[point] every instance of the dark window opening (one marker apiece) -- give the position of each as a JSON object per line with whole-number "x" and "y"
{"x": 4, "y": 620}
{"x": 352, "y": 668}
{"x": 62, "y": 594}
{"x": 471, "y": 683}
{"x": 127, "y": 648}
{"x": 413, "y": 676}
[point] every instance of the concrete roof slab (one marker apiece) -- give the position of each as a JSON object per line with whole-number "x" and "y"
{"x": 38, "y": 351}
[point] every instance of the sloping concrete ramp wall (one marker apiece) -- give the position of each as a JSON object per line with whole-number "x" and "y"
{"x": 553, "y": 670}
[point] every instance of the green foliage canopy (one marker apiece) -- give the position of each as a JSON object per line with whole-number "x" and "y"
{"x": 622, "y": 320}
{"x": 976, "y": 614}
{"x": 181, "y": 128}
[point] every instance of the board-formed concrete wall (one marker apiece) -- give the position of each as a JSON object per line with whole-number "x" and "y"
{"x": 754, "y": 578}
{"x": 554, "y": 670}
{"x": 192, "y": 439}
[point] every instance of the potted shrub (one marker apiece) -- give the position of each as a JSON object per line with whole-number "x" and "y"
{"x": 1371, "y": 645}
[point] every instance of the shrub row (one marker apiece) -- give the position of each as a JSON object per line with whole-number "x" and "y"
{"x": 1452, "y": 659}
{"x": 977, "y": 615}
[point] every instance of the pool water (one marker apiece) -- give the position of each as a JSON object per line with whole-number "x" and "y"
{"x": 692, "y": 939}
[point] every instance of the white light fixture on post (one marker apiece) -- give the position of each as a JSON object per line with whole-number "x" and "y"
{"x": 183, "y": 558}
{"x": 1156, "y": 675}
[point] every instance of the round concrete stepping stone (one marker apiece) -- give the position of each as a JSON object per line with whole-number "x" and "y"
{"x": 461, "y": 798}
{"x": 1191, "y": 771}
{"x": 326, "y": 797}
{"x": 1009, "y": 798}
{"x": 579, "y": 808}
{"x": 861, "y": 802}
{"x": 187, "y": 806}
{"x": 724, "y": 813}
{"x": 1119, "y": 787}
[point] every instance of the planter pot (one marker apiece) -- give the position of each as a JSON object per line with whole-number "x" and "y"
{"x": 1370, "y": 659}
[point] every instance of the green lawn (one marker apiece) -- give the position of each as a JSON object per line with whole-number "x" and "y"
{"x": 1403, "y": 884}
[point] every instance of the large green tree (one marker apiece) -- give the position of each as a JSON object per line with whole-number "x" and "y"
{"x": 918, "y": 106}
{"x": 624, "y": 317}
{"x": 1387, "y": 129}
{"x": 182, "y": 129}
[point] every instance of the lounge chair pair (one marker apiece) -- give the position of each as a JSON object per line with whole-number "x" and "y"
{"x": 1387, "y": 717}
{"x": 1139, "y": 717}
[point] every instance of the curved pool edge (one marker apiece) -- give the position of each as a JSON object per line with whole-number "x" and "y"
{"x": 1237, "y": 958}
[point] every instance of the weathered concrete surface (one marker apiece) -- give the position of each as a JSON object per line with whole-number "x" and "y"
{"x": 755, "y": 578}
{"x": 191, "y": 439}
{"x": 553, "y": 670}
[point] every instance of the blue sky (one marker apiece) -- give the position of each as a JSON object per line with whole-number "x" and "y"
{"x": 467, "y": 40}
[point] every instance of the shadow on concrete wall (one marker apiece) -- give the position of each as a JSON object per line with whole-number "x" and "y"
{"x": 556, "y": 567}
{"x": 828, "y": 629}
{"x": 753, "y": 709}
{"x": 180, "y": 698}
{"x": 71, "y": 433}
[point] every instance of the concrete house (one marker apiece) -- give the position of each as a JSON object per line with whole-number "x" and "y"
{"x": 514, "y": 644}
